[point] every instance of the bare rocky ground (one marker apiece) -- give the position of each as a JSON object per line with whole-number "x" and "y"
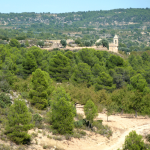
{"x": 120, "y": 125}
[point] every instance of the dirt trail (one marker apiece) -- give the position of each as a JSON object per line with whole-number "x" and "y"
{"x": 120, "y": 141}
{"x": 121, "y": 126}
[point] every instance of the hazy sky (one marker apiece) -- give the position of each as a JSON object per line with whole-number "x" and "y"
{"x": 59, "y": 6}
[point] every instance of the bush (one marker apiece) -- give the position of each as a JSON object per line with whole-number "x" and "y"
{"x": 38, "y": 120}
{"x": 25, "y": 95}
{"x": 82, "y": 133}
{"x": 40, "y": 43}
{"x": 68, "y": 136}
{"x": 63, "y": 42}
{"x": 14, "y": 43}
{"x": 98, "y": 124}
{"x": 148, "y": 137}
{"x": 78, "y": 124}
{"x": 4, "y": 86}
{"x": 134, "y": 142}
{"x": 4, "y": 100}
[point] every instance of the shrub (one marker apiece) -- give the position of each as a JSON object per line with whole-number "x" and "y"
{"x": 134, "y": 142}
{"x": 78, "y": 124}
{"x": 25, "y": 95}
{"x": 63, "y": 42}
{"x": 38, "y": 120}
{"x": 4, "y": 100}
{"x": 4, "y": 86}
{"x": 68, "y": 136}
{"x": 14, "y": 43}
{"x": 148, "y": 137}
{"x": 97, "y": 124}
{"x": 82, "y": 133}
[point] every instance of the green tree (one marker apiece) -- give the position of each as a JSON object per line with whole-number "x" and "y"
{"x": 114, "y": 61}
{"x": 145, "y": 57}
{"x": 88, "y": 56}
{"x": 97, "y": 69}
{"x": 41, "y": 89}
{"x": 112, "y": 32}
{"x": 136, "y": 101}
{"x": 4, "y": 100}
{"x": 62, "y": 112}
{"x": 138, "y": 82}
{"x": 108, "y": 103}
{"x": 134, "y": 142}
{"x": 104, "y": 81}
{"x": 26, "y": 43}
{"x": 63, "y": 42}
{"x": 145, "y": 106}
{"x": 105, "y": 43}
{"x": 29, "y": 64}
{"x": 14, "y": 43}
{"x": 90, "y": 110}
{"x": 78, "y": 41}
{"x": 82, "y": 73}
{"x": 19, "y": 119}
{"x": 122, "y": 99}
{"x": 87, "y": 43}
{"x": 98, "y": 43}
{"x": 40, "y": 43}
{"x": 38, "y": 54}
{"x": 60, "y": 67}
{"x": 122, "y": 45}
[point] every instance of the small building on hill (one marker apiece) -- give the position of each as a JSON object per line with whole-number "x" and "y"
{"x": 113, "y": 47}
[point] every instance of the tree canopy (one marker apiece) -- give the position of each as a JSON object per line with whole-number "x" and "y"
{"x": 41, "y": 88}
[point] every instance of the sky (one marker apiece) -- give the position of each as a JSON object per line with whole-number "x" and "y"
{"x": 62, "y": 6}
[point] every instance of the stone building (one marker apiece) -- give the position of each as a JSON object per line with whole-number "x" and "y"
{"x": 113, "y": 47}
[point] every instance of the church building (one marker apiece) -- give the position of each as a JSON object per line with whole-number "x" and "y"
{"x": 114, "y": 46}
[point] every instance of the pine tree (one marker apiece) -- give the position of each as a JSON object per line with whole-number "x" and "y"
{"x": 19, "y": 123}
{"x": 90, "y": 110}
{"x": 59, "y": 67}
{"x": 41, "y": 89}
{"x": 63, "y": 112}
{"x": 134, "y": 142}
{"x": 29, "y": 64}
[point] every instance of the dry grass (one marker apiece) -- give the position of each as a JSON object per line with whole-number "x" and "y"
{"x": 51, "y": 144}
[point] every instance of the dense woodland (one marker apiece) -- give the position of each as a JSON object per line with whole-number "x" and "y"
{"x": 95, "y": 70}
{"x": 49, "y": 83}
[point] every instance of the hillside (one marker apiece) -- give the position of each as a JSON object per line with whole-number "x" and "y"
{"x": 118, "y": 18}
{"x": 131, "y": 25}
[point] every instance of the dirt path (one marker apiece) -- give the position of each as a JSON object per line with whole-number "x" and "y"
{"x": 120, "y": 125}
{"x": 120, "y": 142}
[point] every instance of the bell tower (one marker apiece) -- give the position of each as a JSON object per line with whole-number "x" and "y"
{"x": 116, "y": 40}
